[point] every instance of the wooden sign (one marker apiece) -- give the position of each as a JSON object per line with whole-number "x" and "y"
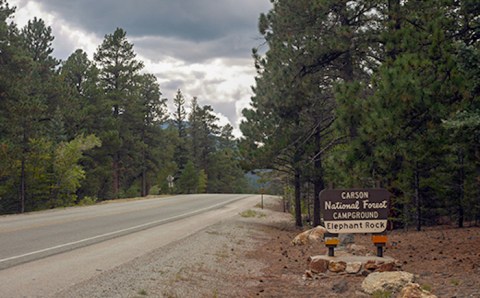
{"x": 355, "y": 210}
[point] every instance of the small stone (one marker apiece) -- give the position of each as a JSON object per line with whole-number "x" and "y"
{"x": 386, "y": 267}
{"x": 353, "y": 267}
{"x": 370, "y": 265}
{"x": 335, "y": 266}
{"x": 318, "y": 265}
{"x": 308, "y": 274}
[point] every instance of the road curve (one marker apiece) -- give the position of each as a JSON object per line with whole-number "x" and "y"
{"x": 28, "y": 237}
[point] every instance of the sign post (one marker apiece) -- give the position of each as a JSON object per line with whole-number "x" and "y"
{"x": 262, "y": 191}
{"x": 356, "y": 211}
{"x": 170, "y": 179}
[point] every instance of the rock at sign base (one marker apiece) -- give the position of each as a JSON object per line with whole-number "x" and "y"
{"x": 414, "y": 290}
{"x": 386, "y": 267}
{"x": 353, "y": 267}
{"x": 386, "y": 281}
{"x": 318, "y": 265}
{"x": 371, "y": 265}
{"x": 335, "y": 266}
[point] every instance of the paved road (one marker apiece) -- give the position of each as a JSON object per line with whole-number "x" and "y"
{"x": 28, "y": 237}
{"x": 44, "y": 253}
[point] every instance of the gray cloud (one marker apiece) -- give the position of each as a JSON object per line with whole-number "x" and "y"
{"x": 190, "y": 30}
{"x": 230, "y": 46}
{"x": 184, "y": 19}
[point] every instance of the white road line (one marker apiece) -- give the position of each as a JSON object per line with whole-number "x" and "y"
{"x": 115, "y": 232}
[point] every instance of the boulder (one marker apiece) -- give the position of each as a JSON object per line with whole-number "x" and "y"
{"x": 386, "y": 281}
{"x": 413, "y": 290}
{"x": 309, "y": 236}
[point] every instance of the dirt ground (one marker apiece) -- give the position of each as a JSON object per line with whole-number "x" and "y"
{"x": 445, "y": 259}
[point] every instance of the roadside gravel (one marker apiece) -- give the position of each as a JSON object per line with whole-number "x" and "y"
{"x": 210, "y": 263}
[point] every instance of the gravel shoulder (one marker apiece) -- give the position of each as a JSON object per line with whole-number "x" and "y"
{"x": 251, "y": 255}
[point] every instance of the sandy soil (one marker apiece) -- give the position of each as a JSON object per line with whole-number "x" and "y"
{"x": 251, "y": 255}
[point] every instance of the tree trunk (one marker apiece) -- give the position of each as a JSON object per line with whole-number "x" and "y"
{"x": 144, "y": 168}
{"x": 461, "y": 189}
{"x": 116, "y": 177}
{"x": 144, "y": 183}
{"x": 417, "y": 198}
{"x": 477, "y": 170}
{"x": 22, "y": 186}
{"x": 298, "y": 200}
{"x": 318, "y": 183}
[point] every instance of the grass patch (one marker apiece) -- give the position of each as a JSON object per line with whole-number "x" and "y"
{"x": 455, "y": 282}
{"x": 381, "y": 294}
{"x": 252, "y": 213}
{"x": 142, "y": 293}
{"x": 426, "y": 287}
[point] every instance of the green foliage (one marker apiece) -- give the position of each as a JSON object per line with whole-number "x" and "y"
{"x": 154, "y": 190}
{"x": 68, "y": 174}
{"x": 188, "y": 181}
{"x": 202, "y": 181}
{"x": 87, "y": 201}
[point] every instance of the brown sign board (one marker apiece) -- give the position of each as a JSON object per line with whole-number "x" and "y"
{"x": 355, "y": 210}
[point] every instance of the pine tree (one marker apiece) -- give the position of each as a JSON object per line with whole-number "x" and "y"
{"x": 119, "y": 74}
{"x": 180, "y": 120}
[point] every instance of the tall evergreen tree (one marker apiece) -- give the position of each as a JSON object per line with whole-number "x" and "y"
{"x": 180, "y": 122}
{"x": 119, "y": 74}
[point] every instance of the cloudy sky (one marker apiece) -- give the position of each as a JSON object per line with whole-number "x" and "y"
{"x": 202, "y": 47}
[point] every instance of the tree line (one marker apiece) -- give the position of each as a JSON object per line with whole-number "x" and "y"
{"x": 80, "y": 130}
{"x": 371, "y": 93}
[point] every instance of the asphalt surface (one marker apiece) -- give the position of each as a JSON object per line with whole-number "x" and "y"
{"x": 46, "y": 253}
{"x": 28, "y": 237}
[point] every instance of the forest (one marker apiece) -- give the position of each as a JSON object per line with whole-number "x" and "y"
{"x": 347, "y": 94}
{"x": 370, "y": 93}
{"x": 80, "y": 131}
